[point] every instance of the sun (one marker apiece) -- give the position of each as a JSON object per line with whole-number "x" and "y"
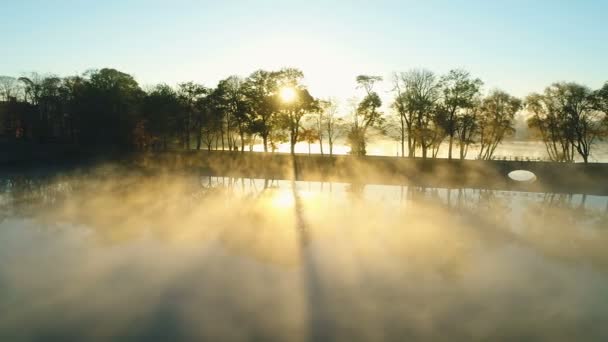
{"x": 288, "y": 94}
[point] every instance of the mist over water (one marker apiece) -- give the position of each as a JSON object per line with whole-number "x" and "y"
{"x": 507, "y": 150}
{"x": 130, "y": 253}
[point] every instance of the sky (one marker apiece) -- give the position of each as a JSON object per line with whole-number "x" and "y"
{"x": 518, "y": 46}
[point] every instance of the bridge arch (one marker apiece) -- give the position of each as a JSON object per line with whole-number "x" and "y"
{"x": 522, "y": 176}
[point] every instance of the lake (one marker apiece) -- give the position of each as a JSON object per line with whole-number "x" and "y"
{"x": 507, "y": 150}
{"x": 124, "y": 253}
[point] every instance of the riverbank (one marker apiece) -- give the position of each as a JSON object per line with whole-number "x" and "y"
{"x": 550, "y": 177}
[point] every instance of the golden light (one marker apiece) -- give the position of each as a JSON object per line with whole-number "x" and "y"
{"x": 288, "y": 94}
{"x": 283, "y": 199}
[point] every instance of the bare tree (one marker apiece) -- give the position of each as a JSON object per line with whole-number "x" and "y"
{"x": 366, "y": 114}
{"x": 292, "y": 110}
{"x": 550, "y": 123}
{"x": 310, "y": 135}
{"x": 331, "y": 122}
{"x": 190, "y": 94}
{"x": 259, "y": 90}
{"x": 497, "y": 113}
{"x": 467, "y": 129}
{"x": 568, "y": 119}
{"x": 458, "y": 92}
{"x": 418, "y": 94}
{"x": 9, "y": 87}
{"x": 406, "y": 116}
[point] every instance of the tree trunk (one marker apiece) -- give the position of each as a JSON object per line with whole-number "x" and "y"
{"x": 293, "y": 140}
{"x": 462, "y": 151}
{"x": 265, "y": 140}
{"x": 188, "y": 133}
{"x": 242, "y": 142}
{"x": 199, "y": 135}
{"x": 222, "y": 134}
{"x": 450, "y": 148}
{"x": 411, "y": 146}
{"x": 402, "y": 138}
{"x": 321, "y": 143}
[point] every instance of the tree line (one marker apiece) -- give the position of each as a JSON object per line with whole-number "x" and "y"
{"x": 108, "y": 108}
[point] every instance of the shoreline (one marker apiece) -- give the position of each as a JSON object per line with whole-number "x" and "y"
{"x": 581, "y": 178}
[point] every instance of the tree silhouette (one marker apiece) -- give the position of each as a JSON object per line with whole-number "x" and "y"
{"x": 190, "y": 94}
{"x": 459, "y": 92}
{"x": 290, "y": 113}
{"x": 9, "y": 88}
{"x": 106, "y": 109}
{"x": 496, "y": 115}
{"x": 567, "y": 118}
{"x": 259, "y": 89}
{"x": 161, "y": 108}
{"x": 421, "y": 91}
{"x": 366, "y": 115}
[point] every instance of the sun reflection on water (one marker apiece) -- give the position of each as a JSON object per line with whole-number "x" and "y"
{"x": 378, "y": 263}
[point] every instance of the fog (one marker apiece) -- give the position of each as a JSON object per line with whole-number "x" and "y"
{"x": 127, "y": 252}
{"x": 507, "y": 150}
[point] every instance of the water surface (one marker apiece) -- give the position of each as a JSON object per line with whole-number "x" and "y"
{"x": 128, "y": 254}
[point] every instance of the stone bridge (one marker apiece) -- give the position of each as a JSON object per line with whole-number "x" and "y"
{"x": 551, "y": 177}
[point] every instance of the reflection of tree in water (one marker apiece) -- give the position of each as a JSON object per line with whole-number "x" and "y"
{"x": 356, "y": 191}
{"x": 173, "y": 208}
{"x": 28, "y": 196}
{"x": 561, "y": 226}
{"x": 427, "y": 238}
{"x": 377, "y": 264}
{"x": 558, "y": 225}
{"x": 239, "y": 212}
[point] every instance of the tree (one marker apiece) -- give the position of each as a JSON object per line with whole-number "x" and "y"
{"x": 51, "y": 121}
{"x": 16, "y": 117}
{"x": 568, "y": 118}
{"x": 213, "y": 109}
{"x": 49, "y": 99}
{"x": 190, "y": 95}
{"x": 550, "y": 122}
{"x": 585, "y": 119}
{"x": 324, "y": 121}
{"x": 467, "y": 129}
{"x": 496, "y": 115}
{"x": 366, "y": 114}
{"x": 458, "y": 92}
{"x": 601, "y": 99}
{"x": 260, "y": 89}
{"x": 73, "y": 89}
{"x": 277, "y": 137}
{"x": 438, "y": 129}
{"x": 236, "y": 106}
{"x": 329, "y": 123}
{"x": 161, "y": 108}
{"x": 418, "y": 91}
{"x": 109, "y": 108}
{"x": 405, "y": 116}
{"x": 291, "y": 111}
{"x": 310, "y": 135}
{"x": 32, "y": 87}
{"x": 9, "y": 88}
